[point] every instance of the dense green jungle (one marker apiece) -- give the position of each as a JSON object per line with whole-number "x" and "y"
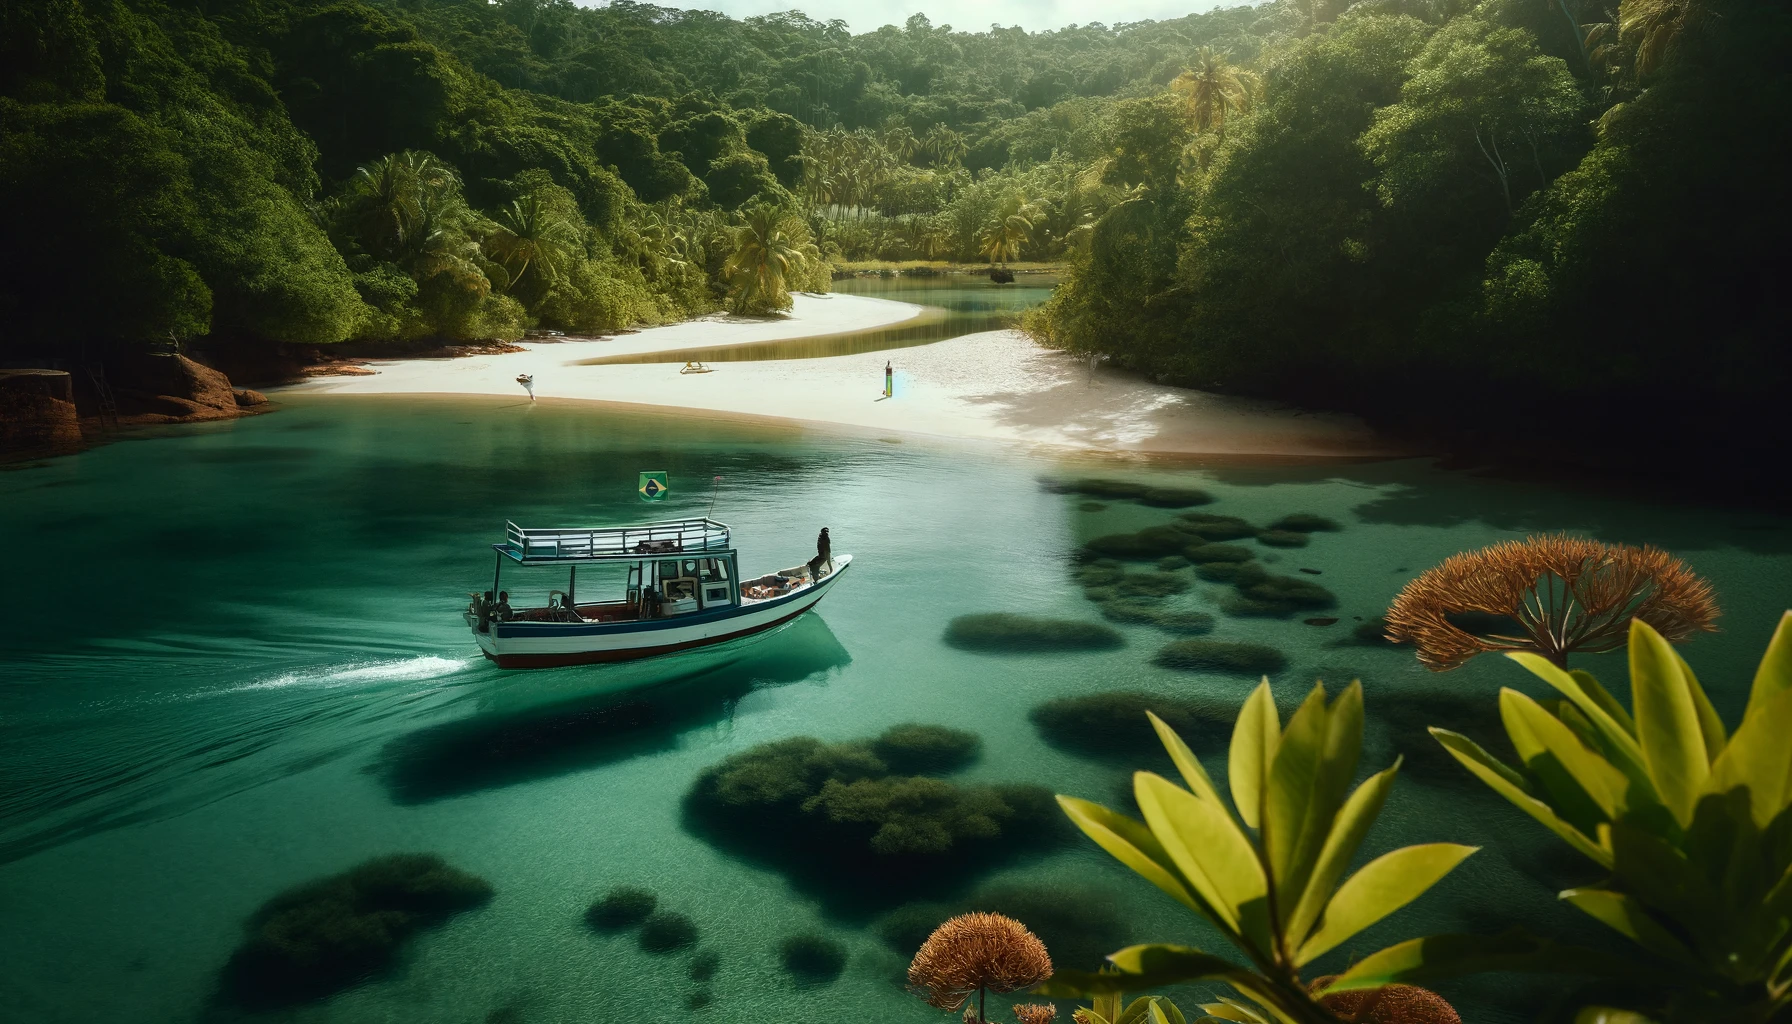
{"x": 1491, "y": 224}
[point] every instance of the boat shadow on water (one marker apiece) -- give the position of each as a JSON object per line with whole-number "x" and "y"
{"x": 519, "y": 740}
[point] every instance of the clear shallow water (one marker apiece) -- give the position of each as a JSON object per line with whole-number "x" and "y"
{"x": 956, "y": 305}
{"x": 235, "y": 663}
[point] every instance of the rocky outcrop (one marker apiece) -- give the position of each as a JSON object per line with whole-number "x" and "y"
{"x": 170, "y": 388}
{"x": 37, "y": 411}
{"x": 1001, "y": 275}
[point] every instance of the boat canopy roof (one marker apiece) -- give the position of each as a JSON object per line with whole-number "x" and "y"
{"x": 639, "y": 542}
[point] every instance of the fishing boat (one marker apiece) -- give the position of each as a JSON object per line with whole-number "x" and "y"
{"x": 667, "y": 587}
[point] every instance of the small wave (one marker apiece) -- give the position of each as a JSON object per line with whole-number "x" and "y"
{"x": 404, "y": 670}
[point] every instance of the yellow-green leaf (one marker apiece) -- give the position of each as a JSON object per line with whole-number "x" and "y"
{"x": 1603, "y": 697}
{"x": 1627, "y": 754}
{"x": 1711, "y": 727}
{"x": 1383, "y": 886}
{"x": 1419, "y": 961}
{"x": 1759, "y": 758}
{"x": 1774, "y": 675}
{"x": 1290, "y": 784}
{"x": 1316, "y": 786}
{"x": 1133, "y": 845}
{"x": 1186, "y": 763}
{"x": 1626, "y": 916}
{"x": 1212, "y": 853}
{"x": 1535, "y": 733}
{"x": 1348, "y": 830}
{"x": 1509, "y": 784}
{"x": 1253, "y": 748}
{"x": 1667, "y": 722}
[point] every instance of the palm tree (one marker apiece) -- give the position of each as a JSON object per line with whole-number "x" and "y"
{"x": 1213, "y": 87}
{"x": 947, "y": 146}
{"x": 387, "y": 199}
{"x": 527, "y": 234}
{"x": 772, "y": 250}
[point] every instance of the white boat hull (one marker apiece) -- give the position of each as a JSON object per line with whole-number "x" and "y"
{"x": 523, "y": 644}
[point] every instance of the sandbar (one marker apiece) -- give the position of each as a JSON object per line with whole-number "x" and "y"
{"x": 993, "y": 385}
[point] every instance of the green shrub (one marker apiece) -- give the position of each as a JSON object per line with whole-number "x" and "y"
{"x": 1208, "y": 554}
{"x": 1282, "y": 539}
{"x": 1305, "y": 522}
{"x": 1113, "y": 725}
{"x": 1004, "y": 632}
{"x": 666, "y": 932}
{"x": 622, "y": 907}
{"x": 327, "y": 935}
{"x": 1221, "y": 656}
{"x": 912, "y": 749}
{"x": 815, "y": 959}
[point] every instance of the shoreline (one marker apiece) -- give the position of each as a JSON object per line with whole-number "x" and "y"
{"x": 993, "y": 385}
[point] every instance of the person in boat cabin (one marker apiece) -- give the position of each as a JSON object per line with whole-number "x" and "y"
{"x": 502, "y": 611}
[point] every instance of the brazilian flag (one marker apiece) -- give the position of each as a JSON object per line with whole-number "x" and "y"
{"x": 654, "y": 486}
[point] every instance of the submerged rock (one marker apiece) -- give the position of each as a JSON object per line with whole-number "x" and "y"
{"x": 1283, "y": 539}
{"x": 1007, "y": 633}
{"x": 1305, "y": 522}
{"x": 837, "y": 814}
{"x": 622, "y": 907}
{"x": 1113, "y": 725}
{"x": 1221, "y": 656}
{"x": 1214, "y": 527}
{"x": 813, "y": 959}
{"x": 926, "y": 749}
{"x": 328, "y": 935}
{"x": 666, "y": 932}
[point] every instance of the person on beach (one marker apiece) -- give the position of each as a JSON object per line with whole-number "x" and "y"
{"x": 889, "y": 384}
{"x": 528, "y": 382}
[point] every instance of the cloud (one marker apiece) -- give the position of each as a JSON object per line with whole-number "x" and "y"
{"x": 1033, "y": 15}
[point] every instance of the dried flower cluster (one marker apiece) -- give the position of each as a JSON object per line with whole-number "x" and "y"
{"x": 975, "y": 952}
{"x": 1035, "y": 1013}
{"x": 1566, "y": 594}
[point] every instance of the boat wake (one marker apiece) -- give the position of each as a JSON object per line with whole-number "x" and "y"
{"x": 402, "y": 670}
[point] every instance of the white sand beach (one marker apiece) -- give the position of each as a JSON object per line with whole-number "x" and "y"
{"x": 995, "y": 385}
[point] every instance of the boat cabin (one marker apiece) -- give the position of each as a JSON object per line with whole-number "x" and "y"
{"x": 650, "y": 571}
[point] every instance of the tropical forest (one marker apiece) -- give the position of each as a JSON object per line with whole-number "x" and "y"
{"x": 1298, "y": 540}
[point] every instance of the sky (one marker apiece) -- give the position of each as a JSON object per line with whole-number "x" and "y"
{"x": 972, "y": 16}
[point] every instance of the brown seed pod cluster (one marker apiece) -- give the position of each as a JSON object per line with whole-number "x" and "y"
{"x": 1565, "y": 594}
{"x": 973, "y": 952}
{"x": 1035, "y": 1013}
{"x": 1390, "y": 1004}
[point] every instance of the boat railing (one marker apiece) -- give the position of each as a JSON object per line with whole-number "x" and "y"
{"x": 643, "y": 540}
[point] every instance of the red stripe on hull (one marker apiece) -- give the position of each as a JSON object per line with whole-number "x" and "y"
{"x": 632, "y": 654}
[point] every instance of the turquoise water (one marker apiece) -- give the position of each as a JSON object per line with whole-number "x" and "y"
{"x": 235, "y": 663}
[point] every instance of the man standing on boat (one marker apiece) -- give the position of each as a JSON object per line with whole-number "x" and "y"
{"x": 824, "y": 552}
